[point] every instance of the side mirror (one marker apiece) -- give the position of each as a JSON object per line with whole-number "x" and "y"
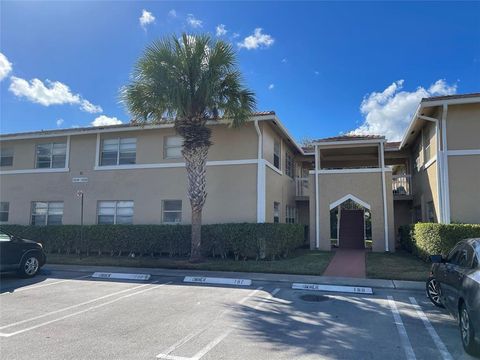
{"x": 436, "y": 259}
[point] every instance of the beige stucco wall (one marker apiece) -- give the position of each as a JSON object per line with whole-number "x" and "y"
{"x": 463, "y": 127}
{"x": 464, "y": 180}
{"x": 281, "y": 189}
{"x": 365, "y": 186}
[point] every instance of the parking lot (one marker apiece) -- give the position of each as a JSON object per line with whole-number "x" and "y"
{"x": 67, "y": 314}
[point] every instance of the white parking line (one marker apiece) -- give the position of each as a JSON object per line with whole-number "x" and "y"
{"x": 43, "y": 285}
{"x": 436, "y": 339}
{"x": 407, "y": 347}
{"x": 71, "y": 307}
{"x": 85, "y": 310}
{"x": 166, "y": 354}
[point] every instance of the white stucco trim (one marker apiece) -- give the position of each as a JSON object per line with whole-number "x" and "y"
{"x": 317, "y": 205}
{"x": 463, "y": 152}
{"x": 271, "y": 166}
{"x": 429, "y": 162}
{"x": 67, "y": 153}
{"x": 349, "y": 197}
{"x": 384, "y": 195}
{"x": 97, "y": 151}
{"x": 439, "y": 174}
{"x": 173, "y": 165}
{"x": 349, "y": 171}
{"x": 261, "y": 181}
{"x": 34, "y": 171}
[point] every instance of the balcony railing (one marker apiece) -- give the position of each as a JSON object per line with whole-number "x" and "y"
{"x": 301, "y": 185}
{"x": 401, "y": 185}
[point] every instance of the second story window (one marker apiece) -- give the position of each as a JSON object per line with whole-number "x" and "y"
{"x": 276, "y": 154}
{"x": 51, "y": 155}
{"x": 6, "y": 157}
{"x": 172, "y": 147}
{"x": 427, "y": 141}
{"x": 47, "y": 213}
{"x": 289, "y": 165}
{"x": 120, "y": 151}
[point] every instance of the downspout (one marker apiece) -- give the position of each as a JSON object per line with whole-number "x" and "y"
{"x": 317, "y": 207}
{"x": 445, "y": 185}
{"x": 260, "y": 177}
{"x": 384, "y": 193}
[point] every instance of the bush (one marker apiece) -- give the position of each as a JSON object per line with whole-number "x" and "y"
{"x": 241, "y": 241}
{"x": 425, "y": 239}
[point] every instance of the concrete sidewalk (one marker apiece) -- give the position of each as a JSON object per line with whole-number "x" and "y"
{"x": 284, "y": 278}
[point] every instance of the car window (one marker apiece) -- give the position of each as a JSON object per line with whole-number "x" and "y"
{"x": 475, "y": 262}
{"x": 463, "y": 258}
{"x": 453, "y": 255}
{"x": 4, "y": 237}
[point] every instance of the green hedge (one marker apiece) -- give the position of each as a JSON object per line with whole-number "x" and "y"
{"x": 240, "y": 241}
{"x": 425, "y": 239}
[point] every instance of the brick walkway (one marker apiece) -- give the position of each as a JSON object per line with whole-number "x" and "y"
{"x": 347, "y": 262}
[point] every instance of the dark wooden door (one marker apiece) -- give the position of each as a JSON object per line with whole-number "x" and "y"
{"x": 352, "y": 230}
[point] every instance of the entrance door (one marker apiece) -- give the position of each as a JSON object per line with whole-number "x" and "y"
{"x": 352, "y": 230}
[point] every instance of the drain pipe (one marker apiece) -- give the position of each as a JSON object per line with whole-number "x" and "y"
{"x": 317, "y": 207}
{"x": 260, "y": 177}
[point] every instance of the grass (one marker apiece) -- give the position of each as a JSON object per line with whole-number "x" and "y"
{"x": 400, "y": 265}
{"x": 302, "y": 262}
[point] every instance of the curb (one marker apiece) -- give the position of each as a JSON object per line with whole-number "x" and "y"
{"x": 267, "y": 277}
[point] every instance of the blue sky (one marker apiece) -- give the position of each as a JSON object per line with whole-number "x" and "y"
{"x": 325, "y": 68}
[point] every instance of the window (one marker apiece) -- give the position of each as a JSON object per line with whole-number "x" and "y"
{"x": 172, "y": 211}
{"x": 418, "y": 158}
{"x": 290, "y": 215}
{"x": 6, "y": 157}
{"x": 120, "y": 151}
{"x": 115, "y": 212}
{"x": 4, "y": 207}
{"x": 427, "y": 141}
{"x": 172, "y": 147}
{"x": 47, "y": 213}
{"x": 430, "y": 211}
{"x": 276, "y": 212}
{"x": 289, "y": 165}
{"x": 276, "y": 154}
{"x": 51, "y": 155}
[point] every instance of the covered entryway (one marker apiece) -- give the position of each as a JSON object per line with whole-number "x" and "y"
{"x": 352, "y": 229}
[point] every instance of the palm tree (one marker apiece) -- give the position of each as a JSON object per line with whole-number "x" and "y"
{"x": 190, "y": 81}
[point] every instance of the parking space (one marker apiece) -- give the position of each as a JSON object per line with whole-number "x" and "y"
{"x": 63, "y": 315}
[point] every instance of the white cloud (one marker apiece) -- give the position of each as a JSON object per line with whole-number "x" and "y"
{"x": 146, "y": 18}
{"x": 284, "y": 60}
{"x": 193, "y": 22}
{"x": 5, "y": 67}
{"x": 172, "y": 13}
{"x": 221, "y": 30}
{"x": 50, "y": 93}
{"x": 59, "y": 122}
{"x": 389, "y": 112}
{"x": 235, "y": 35}
{"x": 316, "y": 72}
{"x": 103, "y": 120}
{"x": 257, "y": 40}
{"x": 271, "y": 86}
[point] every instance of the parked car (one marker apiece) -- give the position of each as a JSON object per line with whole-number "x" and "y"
{"x": 454, "y": 283}
{"x": 21, "y": 255}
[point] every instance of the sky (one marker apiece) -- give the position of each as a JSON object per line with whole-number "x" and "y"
{"x": 325, "y": 68}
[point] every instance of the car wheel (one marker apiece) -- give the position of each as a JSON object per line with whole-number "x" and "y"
{"x": 466, "y": 331}
{"x": 434, "y": 292}
{"x": 30, "y": 266}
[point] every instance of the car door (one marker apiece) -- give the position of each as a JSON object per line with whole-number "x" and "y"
{"x": 8, "y": 252}
{"x": 445, "y": 276}
{"x": 455, "y": 274}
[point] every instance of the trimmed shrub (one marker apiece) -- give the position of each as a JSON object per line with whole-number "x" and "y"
{"x": 425, "y": 239}
{"x": 240, "y": 241}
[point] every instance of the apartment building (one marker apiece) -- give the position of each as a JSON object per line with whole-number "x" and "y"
{"x": 352, "y": 191}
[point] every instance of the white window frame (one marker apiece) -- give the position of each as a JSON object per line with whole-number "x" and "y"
{"x": 119, "y": 142}
{"x": 4, "y": 211}
{"x": 276, "y": 211}
{"x": 52, "y": 144}
{"x": 6, "y": 152}
{"x": 289, "y": 165}
{"x": 290, "y": 215}
{"x": 115, "y": 211}
{"x": 166, "y": 147}
{"x": 171, "y": 211}
{"x": 49, "y": 203}
{"x": 279, "y": 154}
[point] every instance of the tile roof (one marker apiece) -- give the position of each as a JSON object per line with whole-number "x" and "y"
{"x": 448, "y": 97}
{"x": 350, "y": 138}
{"x": 393, "y": 145}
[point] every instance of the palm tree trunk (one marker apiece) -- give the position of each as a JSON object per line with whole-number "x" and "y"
{"x": 196, "y": 161}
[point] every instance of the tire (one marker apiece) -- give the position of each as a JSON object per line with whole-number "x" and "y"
{"x": 30, "y": 266}
{"x": 434, "y": 292}
{"x": 467, "y": 333}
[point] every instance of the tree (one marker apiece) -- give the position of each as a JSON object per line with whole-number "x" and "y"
{"x": 191, "y": 81}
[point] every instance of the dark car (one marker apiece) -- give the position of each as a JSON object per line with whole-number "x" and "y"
{"x": 454, "y": 283}
{"x": 21, "y": 255}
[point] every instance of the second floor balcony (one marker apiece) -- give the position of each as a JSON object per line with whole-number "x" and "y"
{"x": 402, "y": 186}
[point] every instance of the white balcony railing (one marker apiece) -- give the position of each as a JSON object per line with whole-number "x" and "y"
{"x": 401, "y": 184}
{"x": 301, "y": 185}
